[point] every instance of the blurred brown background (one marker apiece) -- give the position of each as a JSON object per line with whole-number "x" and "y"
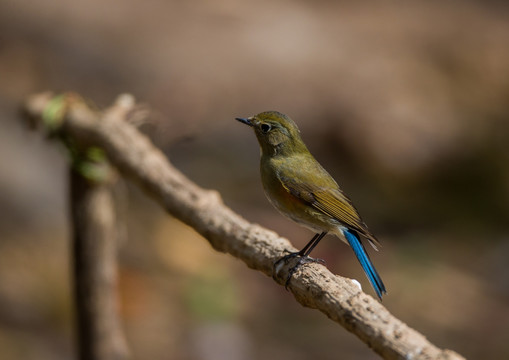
{"x": 405, "y": 102}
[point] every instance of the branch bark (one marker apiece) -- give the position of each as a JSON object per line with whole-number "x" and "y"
{"x": 99, "y": 333}
{"x": 313, "y": 286}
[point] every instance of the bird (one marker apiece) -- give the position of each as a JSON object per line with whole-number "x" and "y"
{"x": 301, "y": 189}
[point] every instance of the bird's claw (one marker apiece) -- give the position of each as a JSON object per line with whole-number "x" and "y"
{"x": 303, "y": 260}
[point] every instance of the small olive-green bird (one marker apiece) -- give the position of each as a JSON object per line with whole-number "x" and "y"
{"x": 301, "y": 189}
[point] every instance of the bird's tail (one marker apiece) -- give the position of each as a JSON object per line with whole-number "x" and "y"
{"x": 363, "y": 257}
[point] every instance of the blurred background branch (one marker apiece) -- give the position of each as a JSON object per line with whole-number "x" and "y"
{"x": 95, "y": 235}
{"x": 314, "y": 286}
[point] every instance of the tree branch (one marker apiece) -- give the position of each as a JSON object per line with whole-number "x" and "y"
{"x": 313, "y": 286}
{"x": 100, "y": 336}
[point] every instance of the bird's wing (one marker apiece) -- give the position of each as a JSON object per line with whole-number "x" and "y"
{"x": 331, "y": 201}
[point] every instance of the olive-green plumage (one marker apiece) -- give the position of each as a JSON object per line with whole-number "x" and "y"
{"x": 301, "y": 189}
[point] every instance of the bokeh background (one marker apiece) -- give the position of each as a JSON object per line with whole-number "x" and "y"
{"x": 406, "y": 103}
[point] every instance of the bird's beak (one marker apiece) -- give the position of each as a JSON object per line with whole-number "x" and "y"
{"x": 245, "y": 121}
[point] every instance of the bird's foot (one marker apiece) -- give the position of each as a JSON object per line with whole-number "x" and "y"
{"x": 302, "y": 261}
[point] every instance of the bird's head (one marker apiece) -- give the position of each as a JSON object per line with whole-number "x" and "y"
{"x": 276, "y": 133}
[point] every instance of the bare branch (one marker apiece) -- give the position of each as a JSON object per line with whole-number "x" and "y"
{"x": 100, "y": 336}
{"x": 313, "y": 286}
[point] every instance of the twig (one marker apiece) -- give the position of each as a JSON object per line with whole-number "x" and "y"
{"x": 313, "y": 286}
{"x": 100, "y": 336}
{"x": 95, "y": 235}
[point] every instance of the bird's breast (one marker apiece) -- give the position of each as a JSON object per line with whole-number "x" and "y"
{"x": 290, "y": 205}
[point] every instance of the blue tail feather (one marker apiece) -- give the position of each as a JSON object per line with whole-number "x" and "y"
{"x": 376, "y": 281}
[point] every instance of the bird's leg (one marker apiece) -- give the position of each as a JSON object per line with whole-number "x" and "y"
{"x": 311, "y": 245}
{"x": 298, "y": 253}
{"x": 304, "y": 252}
{"x": 304, "y": 256}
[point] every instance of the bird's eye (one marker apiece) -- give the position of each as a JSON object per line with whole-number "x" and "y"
{"x": 265, "y": 128}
